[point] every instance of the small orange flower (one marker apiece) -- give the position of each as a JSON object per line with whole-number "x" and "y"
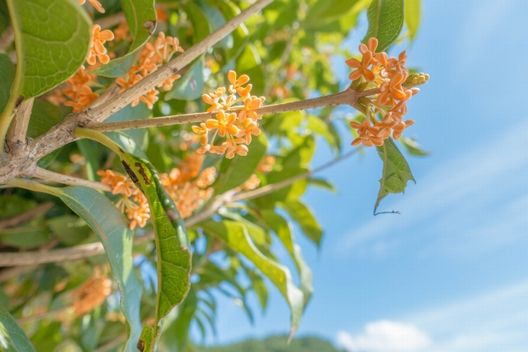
{"x": 91, "y": 294}
{"x": 95, "y": 4}
{"x": 97, "y": 48}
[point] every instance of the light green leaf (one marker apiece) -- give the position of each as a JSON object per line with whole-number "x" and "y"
{"x": 385, "y": 18}
{"x": 283, "y": 230}
{"x": 141, "y": 18}
{"x": 412, "y": 16}
{"x": 304, "y": 216}
{"x": 234, "y": 172}
{"x": 12, "y": 337}
{"x": 200, "y": 22}
{"x": 176, "y": 335}
{"x": 236, "y": 237}
{"x": 191, "y": 85}
{"x": 396, "y": 171}
{"x": 111, "y": 228}
{"x": 52, "y": 38}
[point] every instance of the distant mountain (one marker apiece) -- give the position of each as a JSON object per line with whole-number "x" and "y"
{"x": 275, "y": 344}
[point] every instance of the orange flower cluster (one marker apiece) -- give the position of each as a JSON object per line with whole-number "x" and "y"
{"x": 265, "y": 166}
{"x": 92, "y": 293}
{"x": 235, "y": 123}
{"x": 95, "y": 4}
{"x": 187, "y": 186}
{"x": 377, "y": 69}
{"x": 77, "y": 92}
{"x": 97, "y": 50}
{"x": 151, "y": 57}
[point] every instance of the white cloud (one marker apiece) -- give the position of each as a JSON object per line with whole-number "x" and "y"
{"x": 496, "y": 320}
{"x": 385, "y": 336}
{"x": 470, "y": 185}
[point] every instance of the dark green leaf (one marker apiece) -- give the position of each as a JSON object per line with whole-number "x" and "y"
{"x": 191, "y": 85}
{"x": 396, "y": 171}
{"x": 52, "y": 40}
{"x": 12, "y": 337}
{"x": 141, "y": 18}
{"x": 7, "y": 72}
{"x": 385, "y": 18}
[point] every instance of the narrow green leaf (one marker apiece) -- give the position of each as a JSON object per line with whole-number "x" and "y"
{"x": 175, "y": 336}
{"x": 12, "y": 337}
{"x": 112, "y": 229}
{"x": 141, "y": 18}
{"x": 52, "y": 38}
{"x": 305, "y": 218}
{"x": 234, "y": 172}
{"x": 385, "y": 18}
{"x": 396, "y": 171}
{"x": 412, "y": 16}
{"x": 413, "y": 147}
{"x": 283, "y": 230}
{"x": 236, "y": 237}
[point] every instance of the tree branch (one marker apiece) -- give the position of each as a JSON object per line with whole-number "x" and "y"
{"x": 93, "y": 249}
{"x": 16, "y": 135}
{"x": 52, "y": 176}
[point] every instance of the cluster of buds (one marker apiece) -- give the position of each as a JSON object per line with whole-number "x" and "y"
{"x": 151, "y": 57}
{"x": 92, "y": 293}
{"x": 188, "y": 186}
{"x": 235, "y": 119}
{"x": 390, "y": 76}
{"x": 98, "y": 51}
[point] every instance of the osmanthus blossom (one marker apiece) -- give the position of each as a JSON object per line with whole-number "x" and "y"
{"x": 95, "y": 4}
{"x": 389, "y": 75}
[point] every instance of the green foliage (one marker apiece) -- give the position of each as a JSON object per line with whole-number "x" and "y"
{"x": 385, "y": 21}
{"x": 396, "y": 171}
{"x": 275, "y": 344}
{"x": 412, "y": 16}
{"x": 52, "y": 39}
{"x": 7, "y": 70}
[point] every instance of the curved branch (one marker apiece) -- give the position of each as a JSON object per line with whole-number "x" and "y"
{"x": 52, "y": 176}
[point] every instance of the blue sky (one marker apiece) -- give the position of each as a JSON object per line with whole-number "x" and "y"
{"x": 450, "y": 272}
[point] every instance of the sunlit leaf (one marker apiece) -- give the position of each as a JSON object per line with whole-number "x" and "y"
{"x": 304, "y": 216}
{"x": 236, "y": 237}
{"x": 412, "y": 16}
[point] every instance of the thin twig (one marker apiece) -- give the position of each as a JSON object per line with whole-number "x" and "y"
{"x": 41, "y": 209}
{"x": 93, "y": 249}
{"x": 16, "y": 136}
{"x": 348, "y": 96}
{"x": 7, "y": 38}
{"x": 52, "y": 176}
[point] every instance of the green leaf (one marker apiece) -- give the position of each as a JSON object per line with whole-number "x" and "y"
{"x": 396, "y": 172}
{"x": 304, "y": 216}
{"x": 141, "y": 18}
{"x": 134, "y": 140}
{"x": 250, "y": 63}
{"x": 412, "y": 16}
{"x": 12, "y": 337}
{"x": 174, "y": 258}
{"x": 113, "y": 232}
{"x": 199, "y": 21}
{"x": 283, "y": 230}
{"x": 234, "y": 172}
{"x": 7, "y": 72}
{"x": 328, "y": 10}
{"x": 26, "y": 236}
{"x": 191, "y": 85}
{"x": 176, "y": 335}
{"x": 385, "y": 18}
{"x": 52, "y": 38}
{"x": 236, "y": 236}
